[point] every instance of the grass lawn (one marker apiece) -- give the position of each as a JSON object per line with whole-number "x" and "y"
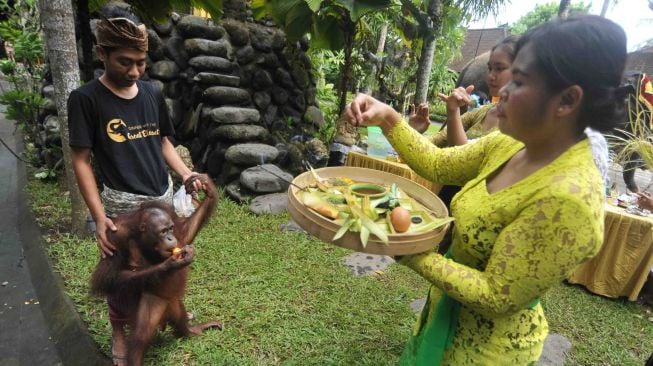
{"x": 287, "y": 299}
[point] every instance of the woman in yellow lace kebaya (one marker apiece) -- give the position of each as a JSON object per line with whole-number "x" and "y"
{"x": 531, "y": 206}
{"x": 478, "y": 122}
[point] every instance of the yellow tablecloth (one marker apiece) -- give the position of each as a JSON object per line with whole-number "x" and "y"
{"x": 364, "y": 161}
{"x": 624, "y": 262}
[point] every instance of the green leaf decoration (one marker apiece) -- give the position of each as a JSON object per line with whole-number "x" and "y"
{"x": 343, "y": 229}
{"x": 364, "y": 235}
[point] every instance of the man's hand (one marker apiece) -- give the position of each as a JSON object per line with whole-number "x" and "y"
{"x": 645, "y": 201}
{"x": 101, "y": 226}
{"x": 418, "y": 118}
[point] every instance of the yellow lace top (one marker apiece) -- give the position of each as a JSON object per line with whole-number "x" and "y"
{"x": 511, "y": 245}
{"x": 472, "y": 124}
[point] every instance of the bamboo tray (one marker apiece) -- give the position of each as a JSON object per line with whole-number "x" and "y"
{"x": 399, "y": 244}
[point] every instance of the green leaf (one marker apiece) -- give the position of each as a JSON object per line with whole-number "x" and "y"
{"x": 280, "y": 10}
{"x": 95, "y": 5}
{"x": 357, "y": 8}
{"x": 214, "y": 7}
{"x": 259, "y": 8}
{"x": 314, "y": 5}
{"x": 326, "y": 33}
{"x": 43, "y": 174}
{"x": 296, "y": 23}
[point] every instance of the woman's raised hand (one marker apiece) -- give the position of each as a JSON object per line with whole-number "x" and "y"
{"x": 367, "y": 111}
{"x": 459, "y": 97}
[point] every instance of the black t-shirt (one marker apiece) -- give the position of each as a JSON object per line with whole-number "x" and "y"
{"x": 123, "y": 134}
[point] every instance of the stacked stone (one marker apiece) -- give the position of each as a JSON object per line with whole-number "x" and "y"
{"x": 48, "y": 145}
{"x": 249, "y": 100}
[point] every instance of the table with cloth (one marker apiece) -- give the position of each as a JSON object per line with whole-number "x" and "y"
{"x": 356, "y": 159}
{"x": 624, "y": 262}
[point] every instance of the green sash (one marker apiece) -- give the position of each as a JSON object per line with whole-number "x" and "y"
{"x": 428, "y": 346}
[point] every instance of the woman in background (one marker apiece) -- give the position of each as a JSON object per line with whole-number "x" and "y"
{"x": 480, "y": 121}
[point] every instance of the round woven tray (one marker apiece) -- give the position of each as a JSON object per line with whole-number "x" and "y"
{"x": 399, "y": 244}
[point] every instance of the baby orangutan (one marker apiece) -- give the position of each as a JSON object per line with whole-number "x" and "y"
{"x": 145, "y": 280}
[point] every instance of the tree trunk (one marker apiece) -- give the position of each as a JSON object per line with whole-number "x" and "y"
{"x": 59, "y": 33}
{"x": 345, "y": 133}
{"x": 87, "y": 39}
{"x": 382, "y": 37}
{"x": 345, "y": 71}
{"x": 604, "y": 8}
{"x": 434, "y": 12}
{"x": 563, "y": 9}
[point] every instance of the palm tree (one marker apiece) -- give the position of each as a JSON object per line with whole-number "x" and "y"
{"x": 59, "y": 32}
{"x": 563, "y": 8}
{"x": 604, "y": 8}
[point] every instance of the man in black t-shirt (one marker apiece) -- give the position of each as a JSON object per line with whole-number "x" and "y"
{"x": 124, "y": 123}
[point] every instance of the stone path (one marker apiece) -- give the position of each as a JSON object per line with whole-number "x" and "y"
{"x": 24, "y": 335}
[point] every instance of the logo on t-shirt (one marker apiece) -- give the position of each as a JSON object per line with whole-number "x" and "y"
{"x": 119, "y": 132}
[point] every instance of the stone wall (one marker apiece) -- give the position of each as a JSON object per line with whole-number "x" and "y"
{"x": 240, "y": 95}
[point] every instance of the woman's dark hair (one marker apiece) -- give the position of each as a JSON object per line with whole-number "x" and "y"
{"x": 507, "y": 45}
{"x": 588, "y": 51}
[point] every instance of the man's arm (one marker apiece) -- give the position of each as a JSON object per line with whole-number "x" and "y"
{"x": 81, "y": 158}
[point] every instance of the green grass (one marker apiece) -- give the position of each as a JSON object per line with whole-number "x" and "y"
{"x": 288, "y": 299}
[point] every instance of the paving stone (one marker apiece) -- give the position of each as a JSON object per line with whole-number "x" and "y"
{"x": 363, "y": 263}
{"x": 292, "y": 227}
{"x": 556, "y": 348}
{"x": 274, "y": 203}
{"x": 418, "y": 304}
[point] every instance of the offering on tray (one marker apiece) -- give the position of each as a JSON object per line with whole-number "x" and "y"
{"x": 626, "y": 200}
{"x": 335, "y": 204}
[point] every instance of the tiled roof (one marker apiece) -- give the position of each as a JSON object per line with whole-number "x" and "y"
{"x": 641, "y": 60}
{"x": 476, "y": 42}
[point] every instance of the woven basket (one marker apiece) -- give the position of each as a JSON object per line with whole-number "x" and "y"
{"x": 399, "y": 244}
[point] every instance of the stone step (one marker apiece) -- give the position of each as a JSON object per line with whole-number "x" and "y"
{"x": 210, "y": 63}
{"x": 231, "y": 115}
{"x": 211, "y": 78}
{"x": 221, "y": 95}
{"x": 251, "y": 154}
{"x": 193, "y": 26}
{"x": 199, "y": 46}
{"x": 267, "y": 178}
{"x": 241, "y": 133}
